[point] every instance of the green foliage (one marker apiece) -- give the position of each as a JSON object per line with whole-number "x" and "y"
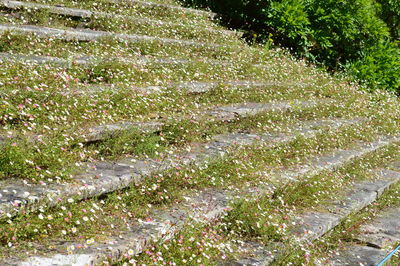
{"x": 331, "y": 32}
{"x": 289, "y": 24}
{"x": 390, "y": 13}
{"x": 379, "y": 67}
{"x": 342, "y": 28}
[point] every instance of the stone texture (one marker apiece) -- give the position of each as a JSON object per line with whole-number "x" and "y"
{"x": 316, "y": 224}
{"x": 313, "y": 225}
{"x": 359, "y": 255}
{"x": 82, "y": 13}
{"x": 205, "y": 206}
{"x": 108, "y": 131}
{"x": 92, "y": 35}
{"x": 227, "y": 113}
{"x": 383, "y": 231}
{"x": 253, "y": 254}
{"x": 76, "y": 260}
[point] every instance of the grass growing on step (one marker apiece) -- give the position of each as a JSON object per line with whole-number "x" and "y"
{"x": 346, "y": 232}
{"x": 127, "y": 9}
{"x": 137, "y": 201}
{"x": 197, "y": 244}
{"x": 52, "y": 91}
{"x": 173, "y": 134}
{"x": 27, "y": 158}
{"x": 43, "y": 17}
{"x": 269, "y": 218}
{"x": 107, "y": 47}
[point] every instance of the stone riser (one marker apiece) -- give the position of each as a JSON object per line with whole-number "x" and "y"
{"x": 86, "y": 35}
{"x": 204, "y": 206}
{"x": 314, "y": 225}
{"x": 82, "y": 13}
{"x": 108, "y": 177}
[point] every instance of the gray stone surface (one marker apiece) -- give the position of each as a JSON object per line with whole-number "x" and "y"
{"x": 76, "y": 260}
{"x": 82, "y": 13}
{"x": 109, "y": 130}
{"x": 313, "y": 225}
{"x": 383, "y": 231}
{"x": 92, "y": 35}
{"x": 227, "y": 113}
{"x": 205, "y": 206}
{"x": 359, "y": 255}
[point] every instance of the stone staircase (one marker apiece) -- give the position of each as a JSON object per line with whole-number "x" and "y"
{"x": 127, "y": 126}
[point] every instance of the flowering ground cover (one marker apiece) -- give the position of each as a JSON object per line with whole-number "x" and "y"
{"x": 202, "y": 147}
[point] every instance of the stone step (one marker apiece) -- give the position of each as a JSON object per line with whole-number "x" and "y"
{"x": 222, "y": 114}
{"x": 203, "y": 206}
{"x": 192, "y": 87}
{"x": 313, "y": 225}
{"x": 148, "y": 4}
{"x": 378, "y": 237}
{"x": 86, "y": 60}
{"x": 92, "y": 35}
{"x": 82, "y": 13}
{"x": 105, "y": 177}
{"x": 206, "y": 86}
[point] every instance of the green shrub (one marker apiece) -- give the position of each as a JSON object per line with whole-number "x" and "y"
{"x": 334, "y": 33}
{"x": 343, "y": 28}
{"x": 390, "y": 13}
{"x": 379, "y": 67}
{"x": 289, "y": 24}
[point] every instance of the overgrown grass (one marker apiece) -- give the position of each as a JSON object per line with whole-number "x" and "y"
{"x": 346, "y": 232}
{"x": 117, "y": 24}
{"x": 46, "y": 109}
{"x": 158, "y": 191}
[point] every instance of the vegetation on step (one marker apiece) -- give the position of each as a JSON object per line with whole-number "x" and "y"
{"x": 346, "y": 233}
{"x": 361, "y": 35}
{"x": 48, "y": 109}
{"x": 240, "y": 169}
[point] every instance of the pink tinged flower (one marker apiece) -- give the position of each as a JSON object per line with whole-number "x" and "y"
{"x": 14, "y": 144}
{"x": 21, "y": 106}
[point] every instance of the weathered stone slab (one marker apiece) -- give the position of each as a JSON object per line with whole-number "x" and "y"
{"x": 205, "y": 206}
{"x": 105, "y": 177}
{"x": 74, "y": 12}
{"x": 82, "y": 13}
{"x": 383, "y": 231}
{"x": 110, "y": 130}
{"x": 92, "y": 35}
{"x": 76, "y": 260}
{"x": 313, "y": 225}
{"x": 359, "y": 255}
{"x": 227, "y": 113}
